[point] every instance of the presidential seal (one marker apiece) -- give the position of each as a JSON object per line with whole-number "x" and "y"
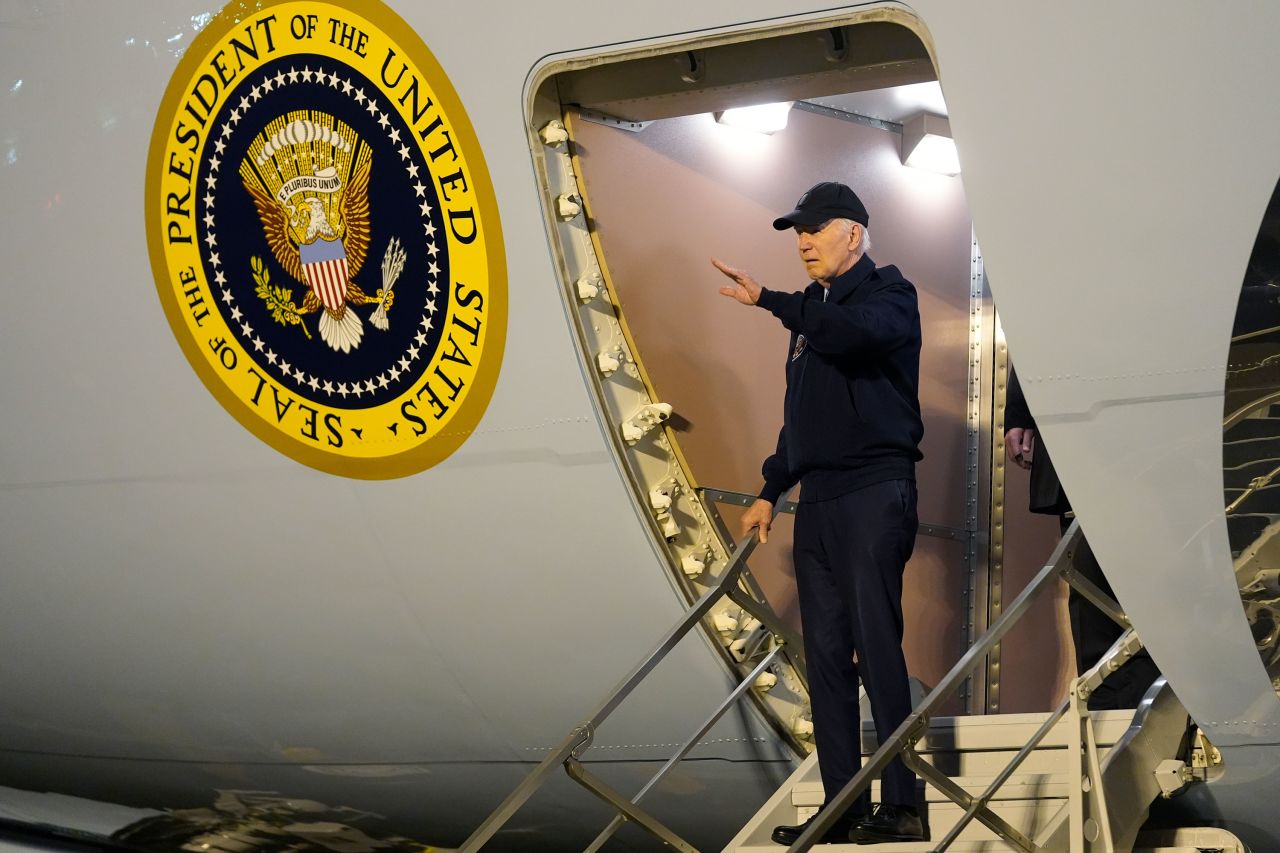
{"x": 325, "y": 238}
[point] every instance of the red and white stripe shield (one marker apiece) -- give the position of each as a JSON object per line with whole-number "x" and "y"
{"x": 329, "y": 280}
{"x": 324, "y": 263}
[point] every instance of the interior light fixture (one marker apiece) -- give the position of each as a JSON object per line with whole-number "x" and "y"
{"x": 763, "y": 118}
{"x": 927, "y": 144}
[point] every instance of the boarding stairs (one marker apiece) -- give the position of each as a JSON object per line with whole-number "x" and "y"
{"x": 1035, "y": 800}
{"x": 1071, "y": 780}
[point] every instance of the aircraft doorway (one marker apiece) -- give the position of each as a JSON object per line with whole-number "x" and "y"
{"x": 644, "y": 185}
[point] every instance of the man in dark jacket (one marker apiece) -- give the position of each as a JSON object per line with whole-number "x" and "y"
{"x": 1092, "y": 630}
{"x": 850, "y": 436}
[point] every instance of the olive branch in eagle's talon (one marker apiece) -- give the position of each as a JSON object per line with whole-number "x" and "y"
{"x": 279, "y": 299}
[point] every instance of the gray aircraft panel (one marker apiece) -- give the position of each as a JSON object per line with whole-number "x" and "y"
{"x": 117, "y": 460}
{"x": 1121, "y": 332}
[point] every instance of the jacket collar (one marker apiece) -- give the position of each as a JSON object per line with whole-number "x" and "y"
{"x": 847, "y": 282}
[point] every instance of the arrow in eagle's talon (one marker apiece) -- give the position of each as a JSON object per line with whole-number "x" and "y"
{"x": 392, "y": 265}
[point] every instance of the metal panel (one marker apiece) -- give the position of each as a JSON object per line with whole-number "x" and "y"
{"x": 117, "y": 465}
{"x": 870, "y": 55}
{"x": 844, "y": 115}
{"x": 994, "y": 476}
{"x": 977, "y": 476}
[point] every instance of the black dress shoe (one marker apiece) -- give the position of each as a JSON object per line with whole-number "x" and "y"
{"x": 888, "y": 822}
{"x": 837, "y": 833}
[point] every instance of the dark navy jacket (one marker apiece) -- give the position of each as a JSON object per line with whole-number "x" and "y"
{"x": 852, "y": 411}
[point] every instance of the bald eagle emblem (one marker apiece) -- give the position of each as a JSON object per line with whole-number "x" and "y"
{"x": 308, "y": 175}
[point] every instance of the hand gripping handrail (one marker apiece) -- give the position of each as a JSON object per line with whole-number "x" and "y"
{"x": 917, "y": 722}
{"x": 579, "y": 740}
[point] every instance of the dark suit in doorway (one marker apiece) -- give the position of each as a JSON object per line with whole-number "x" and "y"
{"x": 1092, "y": 630}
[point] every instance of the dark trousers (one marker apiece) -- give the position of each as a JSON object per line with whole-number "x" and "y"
{"x": 850, "y": 553}
{"x": 1094, "y": 632}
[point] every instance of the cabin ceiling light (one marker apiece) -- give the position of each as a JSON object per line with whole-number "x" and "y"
{"x": 927, "y": 144}
{"x": 763, "y": 118}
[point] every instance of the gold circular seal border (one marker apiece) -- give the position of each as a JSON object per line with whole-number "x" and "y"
{"x": 434, "y": 449}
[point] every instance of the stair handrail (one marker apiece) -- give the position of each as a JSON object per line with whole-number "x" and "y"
{"x": 579, "y": 739}
{"x": 1124, "y": 648}
{"x": 1242, "y": 412}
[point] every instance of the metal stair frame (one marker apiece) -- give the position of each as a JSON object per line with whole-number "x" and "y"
{"x": 571, "y": 749}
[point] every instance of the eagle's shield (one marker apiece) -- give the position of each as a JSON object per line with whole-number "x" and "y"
{"x": 324, "y": 263}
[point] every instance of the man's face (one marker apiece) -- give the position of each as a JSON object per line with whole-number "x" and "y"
{"x": 827, "y": 250}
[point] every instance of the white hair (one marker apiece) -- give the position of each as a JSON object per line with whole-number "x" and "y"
{"x": 864, "y": 245}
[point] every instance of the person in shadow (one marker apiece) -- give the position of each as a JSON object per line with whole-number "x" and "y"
{"x": 1092, "y": 630}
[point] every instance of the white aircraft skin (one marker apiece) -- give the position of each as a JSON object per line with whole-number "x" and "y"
{"x": 174, "y": 621}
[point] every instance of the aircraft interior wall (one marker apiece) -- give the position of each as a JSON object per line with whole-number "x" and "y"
{"x": 681, "y": 190}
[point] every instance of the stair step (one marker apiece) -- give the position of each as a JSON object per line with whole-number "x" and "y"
{"x": 1242, "y": 475}
{"x": 956, "y": 847}
{"x": 1241, "y": 452}
{"x": 1244, "y": 530}
{"x": 1027, "y": 816}
{"x": 992, "y": 762}
{"x": 1030, "y": 786}
{"x": 901, "y": 847}
{"x": 1002, "y": 732}
{"x": 1253, "y": 428}
{"x": 972, "y": 751}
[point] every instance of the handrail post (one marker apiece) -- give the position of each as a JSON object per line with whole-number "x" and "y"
{"x": 578, "y": 773}
{"x": 499, "y": 816}
{"x": 687, "y": 747}
{"x": 1095, "y": 596}
{"x": 980, "y": 802}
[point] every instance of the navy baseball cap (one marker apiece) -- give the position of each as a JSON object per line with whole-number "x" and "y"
{"x": 824, "y": 201}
